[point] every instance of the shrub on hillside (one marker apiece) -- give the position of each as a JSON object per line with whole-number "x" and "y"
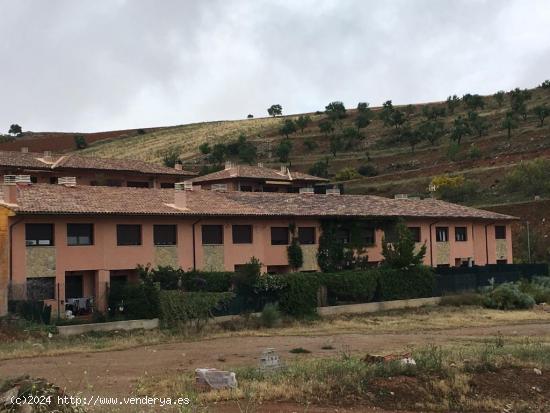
{"x": 508, "y": 296}
{"x": 367, "y": 170}
{"x": 346, "y": 174}
{"x": 529, "y": 178}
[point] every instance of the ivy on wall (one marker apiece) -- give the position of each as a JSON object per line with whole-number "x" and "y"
{"x": 294, "y": 250}
{"x": 337, "y": 253}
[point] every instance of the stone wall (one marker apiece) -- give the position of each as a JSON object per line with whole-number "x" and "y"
{"x": 213, "y": 258}
{"x": 166, "y": 256}
{"x": 443, "y": 253}
{"x": 310, "y": 258}
{"x": 40, "y": 261}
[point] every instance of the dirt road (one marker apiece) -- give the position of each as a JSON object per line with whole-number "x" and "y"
{"x": 116, "y": 372}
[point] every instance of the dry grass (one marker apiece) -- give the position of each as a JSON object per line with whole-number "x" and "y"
{"x": 442, "y": 379}
{"x": 36, "y": 343}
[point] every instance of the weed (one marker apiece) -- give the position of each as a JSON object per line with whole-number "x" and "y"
{"x": 299, "y": 350}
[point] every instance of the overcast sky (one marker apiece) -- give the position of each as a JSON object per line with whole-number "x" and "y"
{"x": 68, "y": 65}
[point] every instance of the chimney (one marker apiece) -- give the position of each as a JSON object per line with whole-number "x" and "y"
{"x": 24, "y": 149}
{"x": 260, "y": 164}
{"x": 284, "y": 169}
{"x": 67, "y": 180}
{"x": 11, "y": 183}
{"x": 228, "y": 165}
{"x": 47, "y": 156}
{"x": 178, "y": 166}
{"x": 180, "y": 193}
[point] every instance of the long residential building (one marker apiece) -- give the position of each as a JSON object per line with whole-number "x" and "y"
{"x": 68, "y": 243}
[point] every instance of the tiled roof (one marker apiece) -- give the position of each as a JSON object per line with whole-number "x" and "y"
{"x": 257, "y": 172}
{"x": 31, "y": 160}
{"x": 58, "y": 199}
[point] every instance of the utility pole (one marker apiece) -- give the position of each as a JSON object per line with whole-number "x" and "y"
{"x": 528, "y": 243}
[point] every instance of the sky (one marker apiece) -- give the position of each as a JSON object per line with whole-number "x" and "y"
{"x": 76, "y": 65}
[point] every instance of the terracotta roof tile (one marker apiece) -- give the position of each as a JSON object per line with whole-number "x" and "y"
{"x": 32, "y": 160}
{"x": 257, "y": 172}
{"x": 58, "y": 199}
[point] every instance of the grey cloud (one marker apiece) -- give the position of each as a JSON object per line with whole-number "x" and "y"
{"x": 104, "y": 64}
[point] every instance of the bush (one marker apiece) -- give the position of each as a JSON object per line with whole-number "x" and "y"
{"x": 214, "y": 281}
{"x": 356, "y": 286}
{"x": 508, "y": 296}
{"x": 299, "y": 297}
{"x": 346, "y": 174}
{"x": 413, "y": 282}
{"x": 271, "y": 316}
{"x": 134, "y": 301}
{"x": 367, "y": 170}
{"x": 529, "y": 178}
{"x": 539, "y": 289}
{"x": 474, "y": 152}
{"x": 30, "y": 310}
{"x": 190, "y": 309}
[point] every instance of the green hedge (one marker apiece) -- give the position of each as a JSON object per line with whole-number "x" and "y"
{"x": 137, "y": 301}
{"x": 413, "y": 282}
{"x": 190, "y": 309}
{"x": 208, "y": 281}
{"x": 299, "y": 296}
{"x": 356, "y": 286}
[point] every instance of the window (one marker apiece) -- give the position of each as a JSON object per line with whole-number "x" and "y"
{"x": 212, "y": 234}
{"x": 80, "y": 234}
{"x": 416, "y": 234}
{"x": 442, "y": 234}
{"x": 242, "y": 234}
{"x": 461, "y": 234}
{"x": 34, "y": 179}
{"x": 246, "y": 188}
{"x": 500, "y": 232}
{"x": 38, "y": 234}
{"x": 279, "y": 235}
{"x": 137, "y": 184}
{"x": 128, "y": 234}
{"x": 306, "y": 235}
{"x": 165, "y": 234}
{"x": 113, "y": 182}
{"x": 368, "y": 235}
{"x": 42, "y": 288}
{"x": 343, "y": 235}
{"x": 167, "y": 185}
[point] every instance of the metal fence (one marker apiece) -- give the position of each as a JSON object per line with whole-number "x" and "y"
{"x": 457, "y": 279}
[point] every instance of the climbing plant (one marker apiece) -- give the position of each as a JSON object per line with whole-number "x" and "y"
{"x": 294, "y": 250}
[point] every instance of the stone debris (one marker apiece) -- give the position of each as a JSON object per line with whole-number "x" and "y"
{"x": 270, "y": 360}
{"x": 538, "y": 372}
{"x": 207, "y": 378}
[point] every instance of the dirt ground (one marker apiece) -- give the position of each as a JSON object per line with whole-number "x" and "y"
{"x": 115, "y": 373}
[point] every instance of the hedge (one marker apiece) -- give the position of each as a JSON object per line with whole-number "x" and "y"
{"x": 207, "y": 281}
{"x": 137, "y": 301}
{"x": 299, "y": 297}
{"x": 398, "y": 284}
{"x": 190, "y": 309}
{"x": 355, "y": 286}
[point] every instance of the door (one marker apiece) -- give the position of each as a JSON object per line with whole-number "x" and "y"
{"x": 73, "y": 286}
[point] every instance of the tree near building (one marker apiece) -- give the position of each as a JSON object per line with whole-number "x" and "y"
{"x": 15, "y": 130}
{"x": 288, "y": 127}
{"x": 461, "y": 128}
{"x": 541, "y": 112}
{"x": 205, "y": 148}
{"x": 320, "y": 168}
{"x": 283, "y": 150}
{"x": 218, "y": 154}
{"x": 80, "y": 142}
{"x": 302, "y": 122}
{"x": 275, "y": 110}
{"x": 510, "y": 122}
{"x": 402, "y": 254}
{"x": 170, "y": 156}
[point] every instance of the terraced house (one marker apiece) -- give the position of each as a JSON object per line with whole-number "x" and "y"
{"x": 50, "y": 168}
{"x": 67, "y": 243}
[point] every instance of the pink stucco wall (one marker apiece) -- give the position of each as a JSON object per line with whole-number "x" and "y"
{"x": 105, "y": 255}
